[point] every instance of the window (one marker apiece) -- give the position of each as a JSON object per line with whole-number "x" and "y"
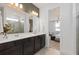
{"x": 57, "y": 26}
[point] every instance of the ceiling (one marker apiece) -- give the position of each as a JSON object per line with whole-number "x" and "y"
{"x": 47, "y": 5}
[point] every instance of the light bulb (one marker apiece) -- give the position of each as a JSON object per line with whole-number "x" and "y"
{"x": 21, "y": 6}
{"x": 34, "y": 13}
{"x": 11, "y": 3}
{"x": 16, "y": 4}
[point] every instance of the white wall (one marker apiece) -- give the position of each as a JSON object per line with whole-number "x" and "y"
{"x": 36, "y": 24}
{"x": 26, "y": 23}
{"x": 44, "y": 24}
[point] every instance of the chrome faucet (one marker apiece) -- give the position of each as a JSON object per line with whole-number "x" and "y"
{"x": 4, "y": 34}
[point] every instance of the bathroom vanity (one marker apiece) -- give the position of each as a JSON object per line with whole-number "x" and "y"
{"x": 19, "y": 41}
{"x": 28, "y": 45}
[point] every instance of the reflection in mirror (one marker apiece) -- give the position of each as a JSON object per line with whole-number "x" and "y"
{"x": 14, "y": 25}
{"x": 21, "y": 25}
{"x": 31, "y": 25}
{"x": 13, "y": 21}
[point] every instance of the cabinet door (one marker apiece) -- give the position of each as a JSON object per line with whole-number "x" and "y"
{"x": 10, "y": 51}
{"x": 19, "y": 47}
{"x": 28, "y": 46}
{"x": 37, "y": 43}
{"x": 42, "y": 38}
{"x": 7, "y": 48}
{"x": 11, "y": 48}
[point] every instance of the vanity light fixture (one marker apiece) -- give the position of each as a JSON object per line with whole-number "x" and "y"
{"x": 34, "y": 13}
{"x": 12, "y": 3}
{"x": 22, "y": 21}
{"x": 12, "y": 19}
{"x": 17, "y": 5}
{"x": 21, "y": 6}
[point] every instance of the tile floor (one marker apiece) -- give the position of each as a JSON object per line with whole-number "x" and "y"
{"x": 54, "y": 49}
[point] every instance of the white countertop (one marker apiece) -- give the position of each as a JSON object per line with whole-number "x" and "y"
{"x": 18, "y": 36}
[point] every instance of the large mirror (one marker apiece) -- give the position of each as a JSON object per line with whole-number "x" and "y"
{"x": 18, "y": 21}
{"x": 14, "y": 25}
{"x": 14, "y": 21}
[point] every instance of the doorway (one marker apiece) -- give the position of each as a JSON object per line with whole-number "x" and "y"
{"x": 54, "y": 28}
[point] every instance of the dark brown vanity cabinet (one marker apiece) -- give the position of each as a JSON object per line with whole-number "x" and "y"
{"x": 26, "y": 46}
